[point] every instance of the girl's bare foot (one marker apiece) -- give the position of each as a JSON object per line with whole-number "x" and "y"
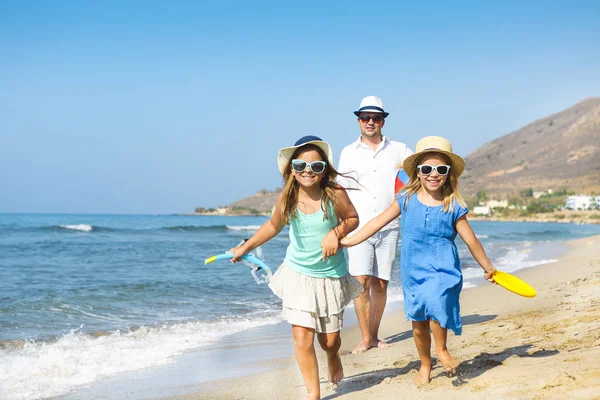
{"x": 313, "y": 397}
{"x": 336, "y": 370}
{"x": 449, "y": 363}
{"x": 423, "y": 376}
{"x": 361, "y": 348}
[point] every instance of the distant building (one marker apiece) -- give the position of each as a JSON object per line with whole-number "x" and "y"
{"x": 580, "y": 202}
{"x": 495, "y": 204}
{"x": 481, "y": 210}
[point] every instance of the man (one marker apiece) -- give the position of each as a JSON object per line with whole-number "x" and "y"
{"x": 373, "y": 160}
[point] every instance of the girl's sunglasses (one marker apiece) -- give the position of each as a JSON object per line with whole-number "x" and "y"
{"x": 316, "y": 167}
{"x": 428, "y": 169}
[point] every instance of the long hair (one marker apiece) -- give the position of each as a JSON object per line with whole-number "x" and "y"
{"x": 291, "y": 188}
{"x": 449, "y": 190}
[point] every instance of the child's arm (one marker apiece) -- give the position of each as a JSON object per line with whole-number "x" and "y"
{"x": 373, "y": 226}
{"x": 466, "y": 233}
{"x": 266, "y": 232}
{"x": 348, "y": 221}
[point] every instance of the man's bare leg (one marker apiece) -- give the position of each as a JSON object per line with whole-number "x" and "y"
{"x": 378, "y": 302}
{"x": 362, "y": 305}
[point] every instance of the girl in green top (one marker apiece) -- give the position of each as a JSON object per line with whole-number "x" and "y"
{"x": 313, "y": 280}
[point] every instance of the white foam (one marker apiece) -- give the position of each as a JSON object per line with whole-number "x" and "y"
{"x": 78, "y": 227}
{"x": 44, "y": 369}
{"x": 243, "y": 227}
{"x": 513, "y": 260}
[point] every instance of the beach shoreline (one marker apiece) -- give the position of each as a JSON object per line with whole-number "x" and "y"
{"x": 512, "y": 347}
{"x": 563, "y": 216}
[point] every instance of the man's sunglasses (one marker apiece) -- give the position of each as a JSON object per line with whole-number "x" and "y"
{"x": 428, "y": 169}
{"x": 367, "y": 118}
{"x": 316, "y": 167}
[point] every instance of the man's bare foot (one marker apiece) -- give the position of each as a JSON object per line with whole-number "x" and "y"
{"x": 336, "y": 369}
{"x": 449, "y": 363}
{"x": 380, "y": 344}
{"x": 423, "y": 376}
{"x": 313, "y": 396}
{"x": 362, "y": 347}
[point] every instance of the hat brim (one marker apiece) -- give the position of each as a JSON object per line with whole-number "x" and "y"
{"x": 285, "y": 155}
{"x": 458, "y": 164}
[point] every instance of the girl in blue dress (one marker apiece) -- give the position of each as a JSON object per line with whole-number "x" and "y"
{"x": 433, "y": 212}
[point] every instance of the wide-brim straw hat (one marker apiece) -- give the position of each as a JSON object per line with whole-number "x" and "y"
{"x": 434, "y": 144}
{"x": 371, "y": 104}
{"x": 285, "y": 155}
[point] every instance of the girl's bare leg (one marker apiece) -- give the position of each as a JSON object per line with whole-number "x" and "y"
{"x": 440, "y": 335}
{"x": 423, "y": 343}
{"x": 330, "y": 343}
{"x": 307, "y": 359}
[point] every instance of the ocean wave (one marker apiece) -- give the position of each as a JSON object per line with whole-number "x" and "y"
{"x": 513, "y": 260}
{"x": 243, "y": 227}
{"x": 195, "y": 228}
{"x": 38, "y": 369}
{"x": 77, "y": 227}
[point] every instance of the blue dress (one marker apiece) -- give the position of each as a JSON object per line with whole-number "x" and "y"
{"x": 431, "y": 274}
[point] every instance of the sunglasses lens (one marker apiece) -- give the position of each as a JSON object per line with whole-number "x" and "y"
{"x": 298, "y": 165}
{"x": 367, "y": 118}
{"x": 317, "y": 167}
{"x": 442, "y": 169}
{"x": 426, "y": 169}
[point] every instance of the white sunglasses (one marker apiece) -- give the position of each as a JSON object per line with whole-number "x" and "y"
{"x": 428, "y": 169}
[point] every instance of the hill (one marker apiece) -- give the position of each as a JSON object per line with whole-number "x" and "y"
{"x": 261, "y": 202}
{"x": 559, "y": 151}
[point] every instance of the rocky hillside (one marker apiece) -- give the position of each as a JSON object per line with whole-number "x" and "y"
{"x": 261, "y": 202}
{"x": 558, "y": 151}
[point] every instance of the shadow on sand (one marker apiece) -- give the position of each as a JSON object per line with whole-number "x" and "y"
{"x": 467, "y": 369}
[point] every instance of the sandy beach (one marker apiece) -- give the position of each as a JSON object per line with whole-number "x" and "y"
{"x": 512, "y": 347}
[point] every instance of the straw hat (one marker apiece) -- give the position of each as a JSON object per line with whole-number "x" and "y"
{"x": 371, "y": 104}
{"x": 285, "y": 154}
{"x": 434, "y": 144}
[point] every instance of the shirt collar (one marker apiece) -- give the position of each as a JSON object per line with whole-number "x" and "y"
{"x": 358, "y": 142}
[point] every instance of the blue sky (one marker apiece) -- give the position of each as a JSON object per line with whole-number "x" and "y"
{"x": 159, "y": 107}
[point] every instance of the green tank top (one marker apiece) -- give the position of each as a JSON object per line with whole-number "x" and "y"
{"x": 305, "y": 255}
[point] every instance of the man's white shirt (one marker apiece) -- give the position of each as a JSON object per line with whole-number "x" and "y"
{"x": 375, "y": 172}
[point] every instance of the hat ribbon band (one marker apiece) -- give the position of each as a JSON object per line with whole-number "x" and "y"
{"x": 362, "y": 109}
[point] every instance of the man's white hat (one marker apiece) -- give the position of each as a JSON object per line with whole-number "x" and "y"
{"x": 371, "y": 104}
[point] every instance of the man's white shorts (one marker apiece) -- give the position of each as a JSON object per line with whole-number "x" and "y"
{"x": 375, "y": 256}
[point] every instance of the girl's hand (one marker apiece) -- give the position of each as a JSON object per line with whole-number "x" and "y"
{"x": 237, "y": 252}
{"x": 330, "y": 244}
{"x": 489, "y": 275}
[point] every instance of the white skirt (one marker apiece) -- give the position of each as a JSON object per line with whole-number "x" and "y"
{"x": 316, "y": 303}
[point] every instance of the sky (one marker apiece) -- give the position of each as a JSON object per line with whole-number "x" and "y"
{"x": 148, "y": 107}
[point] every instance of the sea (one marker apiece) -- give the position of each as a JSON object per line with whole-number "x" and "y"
{"x": 84, "y": 297}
